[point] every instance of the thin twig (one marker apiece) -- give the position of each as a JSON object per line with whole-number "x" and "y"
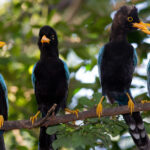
{"x": 43, "y": 120}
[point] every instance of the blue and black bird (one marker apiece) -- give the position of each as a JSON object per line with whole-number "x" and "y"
{"x": 50, "y": 80}
{"x": 116, "y": 63}
{"x": 3, "y": 106}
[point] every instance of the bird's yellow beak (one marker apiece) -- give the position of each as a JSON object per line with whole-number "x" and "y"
{"x": 2, "y": 44}
{"x": 142, "y": 26}
{"x": 45, "y": 39}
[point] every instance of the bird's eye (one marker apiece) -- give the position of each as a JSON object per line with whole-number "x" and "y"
{"x": 130, "y": 19}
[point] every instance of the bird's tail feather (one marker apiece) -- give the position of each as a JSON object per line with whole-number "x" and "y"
{"x": 137, "y": 130}
{"x": 134, "y": 121}
{"x": 45, "y": 140}
{"x": 2, "y": 144}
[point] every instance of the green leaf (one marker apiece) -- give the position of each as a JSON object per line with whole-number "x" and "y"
{"x": 54, "y": 129}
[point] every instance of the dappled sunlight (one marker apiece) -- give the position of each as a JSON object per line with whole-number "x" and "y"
{"x": 87, "y": 76}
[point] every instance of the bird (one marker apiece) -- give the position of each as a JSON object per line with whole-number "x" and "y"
{"x": 3, "y": 105}
{"x": 50, "y": 79}
{"x": 117, "y": 60}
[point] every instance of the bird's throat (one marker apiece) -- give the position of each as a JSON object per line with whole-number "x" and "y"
{"x": 47, "y": 52}
{"x": 118, "y": 34}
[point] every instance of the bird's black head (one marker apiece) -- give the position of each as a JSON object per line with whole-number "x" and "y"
{"x": 48, "y": 41}
{"x": 126, "y": 19}
{"x": 47, "y": 37}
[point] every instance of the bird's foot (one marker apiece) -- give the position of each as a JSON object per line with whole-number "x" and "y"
{"x": 99, "y": 108}
{"x": 33, "y": 118}
{"x": 130, "y": 104}
{"x": 1, "y": 121}
{"x": 75, "y": 112}
{"x": 145, "y": 101}
{"x": 2, "y": 44}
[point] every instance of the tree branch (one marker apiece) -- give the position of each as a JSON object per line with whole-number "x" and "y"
{"x": 43, "y": 120}
{"x": 54, "y": 120}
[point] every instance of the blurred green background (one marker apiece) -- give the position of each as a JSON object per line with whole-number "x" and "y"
{"x": 83, "y": 26}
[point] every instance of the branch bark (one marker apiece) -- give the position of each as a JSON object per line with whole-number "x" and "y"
{"x": 54, "y": 120}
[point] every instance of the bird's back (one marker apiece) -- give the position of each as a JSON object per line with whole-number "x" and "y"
{"x": 117, "y": 67}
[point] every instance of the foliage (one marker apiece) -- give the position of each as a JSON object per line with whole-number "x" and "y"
{"x": 82, "y": 27}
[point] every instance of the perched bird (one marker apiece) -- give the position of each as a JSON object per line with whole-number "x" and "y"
{"x": 116, "y": 63}
{"x": 3, "y": 106}
{"x": 50, "y": 80}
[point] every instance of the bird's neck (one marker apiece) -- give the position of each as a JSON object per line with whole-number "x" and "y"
{"x": 51, "y": 52}
{"x": 118, "y": 34}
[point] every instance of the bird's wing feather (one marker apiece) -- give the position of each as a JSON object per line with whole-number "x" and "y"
{"x": 148, "y": 77}
{"x": 4, "y": 87}
{"x": 66, "y": 71}
{"x": 100, "y": 56}
{"x": 33, "y": 76}
{"x": 135, "y": 58}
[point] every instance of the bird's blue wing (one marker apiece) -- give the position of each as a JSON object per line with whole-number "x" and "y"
{"x": 66, "y": 71}
{"x": 33, "y": 76}
{"x": 2, "y": 82}
{"x": 148, "y": 77}
{"x": 100, "y": 56}
{"x": 135, "y": 58}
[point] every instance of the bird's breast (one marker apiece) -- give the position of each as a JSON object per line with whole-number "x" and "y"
{"x": 117, "y": 67}
{"x": 49, "y": 74}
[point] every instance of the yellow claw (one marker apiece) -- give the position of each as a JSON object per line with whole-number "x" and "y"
{"x": 130, "y": 103}
{"x": 33, "y": 118}
{"x": 99, "y": 108}
{"x": 75, "y": 112}
{"x": 1, "y": 121}
{"x": 2, "y": 44}
{"x": 145, "y": 101}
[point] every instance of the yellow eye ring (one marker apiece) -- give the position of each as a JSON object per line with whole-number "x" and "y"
{"x": 130, "y": 19}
